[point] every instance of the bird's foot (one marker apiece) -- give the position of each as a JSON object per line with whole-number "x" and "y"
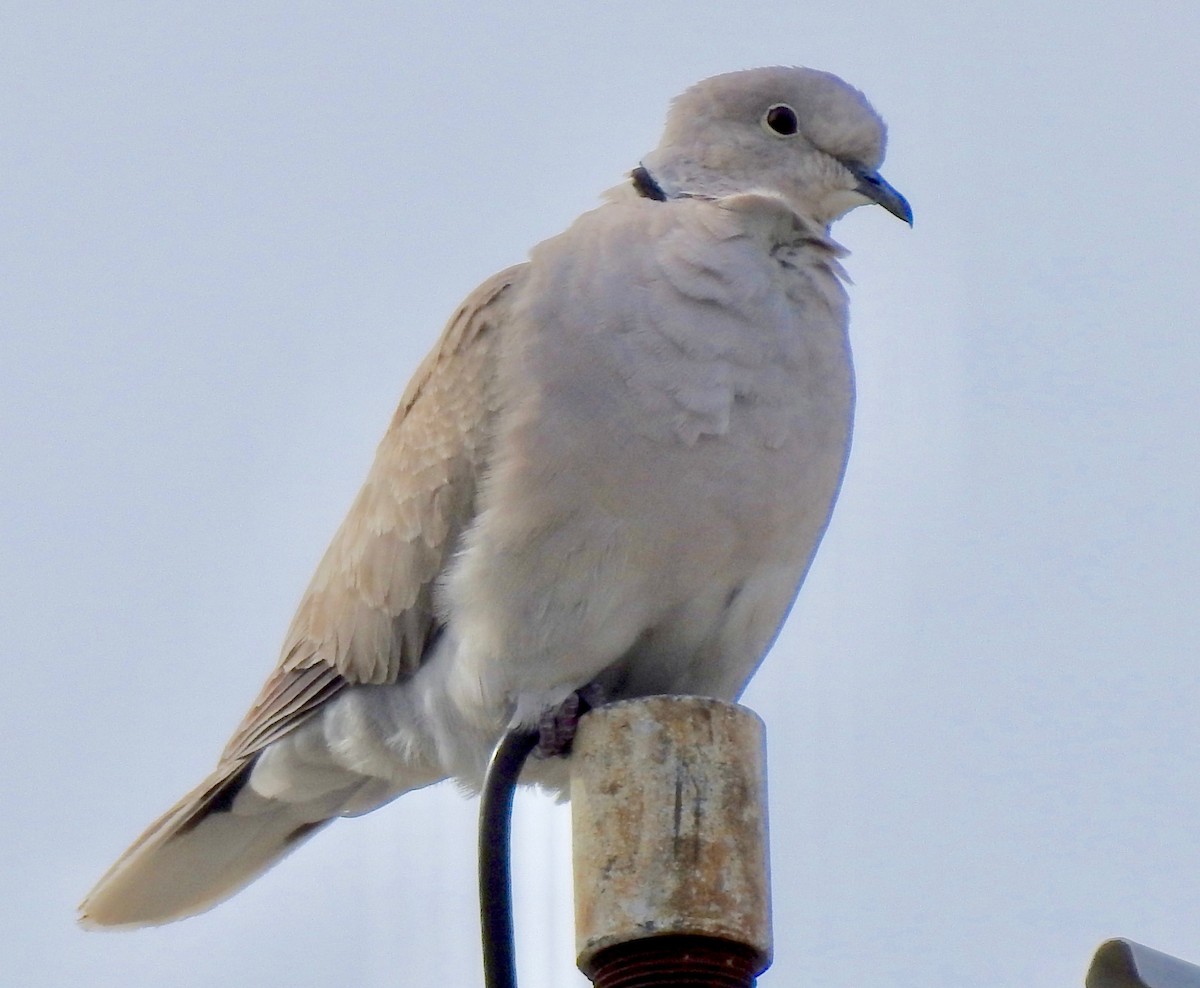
{"x": 557, "y": 727}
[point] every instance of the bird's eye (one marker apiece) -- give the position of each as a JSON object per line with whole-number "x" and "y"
{"x": 781, "y": 119}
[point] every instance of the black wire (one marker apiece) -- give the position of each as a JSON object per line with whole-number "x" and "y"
{"x": 495, "y": 871}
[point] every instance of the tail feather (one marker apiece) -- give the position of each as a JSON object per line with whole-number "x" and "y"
{"x": 213, "y": 842}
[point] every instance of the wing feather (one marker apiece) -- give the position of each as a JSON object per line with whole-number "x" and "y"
{"x": 368, "y": 615}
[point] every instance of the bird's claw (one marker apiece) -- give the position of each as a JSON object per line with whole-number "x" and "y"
{"x": 557, "y": 727}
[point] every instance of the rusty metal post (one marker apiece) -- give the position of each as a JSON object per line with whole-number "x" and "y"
{"x": 669, "y": 824}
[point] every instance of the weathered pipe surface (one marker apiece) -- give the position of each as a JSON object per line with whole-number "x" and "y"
{"x": 668, "y": 797}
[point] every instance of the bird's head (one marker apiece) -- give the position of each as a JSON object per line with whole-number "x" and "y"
{"x": 802, "y": 135}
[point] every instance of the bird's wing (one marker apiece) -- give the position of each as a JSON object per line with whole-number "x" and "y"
{"x": 367, "y": 617}
{"x": 368, "y": 614}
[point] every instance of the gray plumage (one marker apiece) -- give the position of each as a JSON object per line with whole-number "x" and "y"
{"x": 614, "y": 468}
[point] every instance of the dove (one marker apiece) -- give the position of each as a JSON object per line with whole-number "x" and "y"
{"x": 611, "y": 474}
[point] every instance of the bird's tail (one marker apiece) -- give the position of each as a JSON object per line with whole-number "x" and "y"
{"x": 213, "y": 842}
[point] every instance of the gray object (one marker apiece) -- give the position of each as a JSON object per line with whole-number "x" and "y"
{"x": 1125, "y": 964}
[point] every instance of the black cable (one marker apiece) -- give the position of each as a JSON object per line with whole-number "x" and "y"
{"x": 495, "y": 870}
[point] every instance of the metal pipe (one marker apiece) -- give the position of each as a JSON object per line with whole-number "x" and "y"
{"x": 669, "y": 828}
{"x": 495, "y": 871}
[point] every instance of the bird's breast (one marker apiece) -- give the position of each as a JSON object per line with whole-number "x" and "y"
{"x": 675, "y": 415}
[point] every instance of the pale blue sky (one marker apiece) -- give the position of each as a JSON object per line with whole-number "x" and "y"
{"x": 230, "y": 233}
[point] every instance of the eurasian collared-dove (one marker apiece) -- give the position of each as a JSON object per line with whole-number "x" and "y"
{"x": 613, "y": 470}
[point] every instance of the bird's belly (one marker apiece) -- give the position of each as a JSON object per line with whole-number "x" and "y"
{"x": 645, "y": 545}
{"x": 671, "y": 574}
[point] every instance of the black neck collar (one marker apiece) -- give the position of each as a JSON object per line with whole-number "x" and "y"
{"x": 645, "y": 186}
